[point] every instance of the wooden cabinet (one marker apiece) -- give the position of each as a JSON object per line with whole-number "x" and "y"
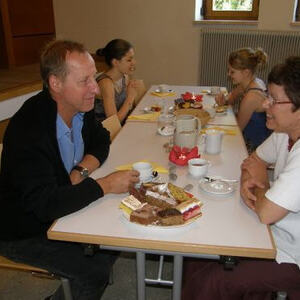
{"x": 25, "y": 27}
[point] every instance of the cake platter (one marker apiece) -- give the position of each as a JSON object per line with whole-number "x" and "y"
{"x": 160, "y": 205}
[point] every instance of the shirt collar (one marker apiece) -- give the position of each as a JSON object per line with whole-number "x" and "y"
{"x": 62, "y": 128}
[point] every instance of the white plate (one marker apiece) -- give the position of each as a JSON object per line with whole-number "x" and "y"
{"x": 217, "y": 187}
{"x": 190, "y": 221}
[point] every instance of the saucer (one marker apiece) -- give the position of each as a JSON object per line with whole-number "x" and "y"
{"x": 147, "y": 110}
{"x": 223, "y": 113}
{"x": 167, "y": 91}
{"x": 217, "y": 187}
{"x": 166, "y": 130}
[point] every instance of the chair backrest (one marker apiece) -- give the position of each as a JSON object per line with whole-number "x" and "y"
{"x": 113, "y": 125}
{"x": 1, "y": 146}
{"x": 9, "y": 264}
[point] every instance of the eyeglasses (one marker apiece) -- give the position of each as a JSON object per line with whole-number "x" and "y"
{"x": 273, "y": 102}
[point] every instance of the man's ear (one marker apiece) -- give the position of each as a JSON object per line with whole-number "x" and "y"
{"x": 54, "y": 83}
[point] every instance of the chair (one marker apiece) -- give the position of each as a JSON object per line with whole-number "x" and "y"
{"x": 9, "y": 264}
{"x": 113, "y": 125}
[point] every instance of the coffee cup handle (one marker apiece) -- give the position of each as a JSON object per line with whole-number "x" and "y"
{"x": 198, "y": 124}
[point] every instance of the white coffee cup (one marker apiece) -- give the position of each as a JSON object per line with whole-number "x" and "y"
{"x": 198, "y": 167}
{"x": 163, "y": 88}
{"x": 213, "y": 141}
{"x": 145, "y": 170}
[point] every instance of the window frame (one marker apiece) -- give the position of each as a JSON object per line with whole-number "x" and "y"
{"x": 297, "y": 12}
{"x": 208, "y": 13}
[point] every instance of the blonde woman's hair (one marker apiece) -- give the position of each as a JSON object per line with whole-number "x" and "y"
{"x": 248, "y": 58}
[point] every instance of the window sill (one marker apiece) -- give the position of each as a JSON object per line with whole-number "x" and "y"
{"x": 295, "y": 24}
{"x": 227, "y": 22}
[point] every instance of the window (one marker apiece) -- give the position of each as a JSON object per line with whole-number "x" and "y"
{"x": 230, "y": 9}
{"x": 297, "y": 12}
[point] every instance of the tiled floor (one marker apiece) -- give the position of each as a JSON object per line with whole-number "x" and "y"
{"x": 23, "y": 286}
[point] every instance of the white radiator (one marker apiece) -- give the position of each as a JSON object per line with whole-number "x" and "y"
{"x": 218, "y": 43}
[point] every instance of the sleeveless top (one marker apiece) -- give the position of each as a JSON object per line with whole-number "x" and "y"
{"x": 256, "y": 130}
{"x": 120, "y": 97}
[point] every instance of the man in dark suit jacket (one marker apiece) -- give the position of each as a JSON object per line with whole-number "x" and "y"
{"x": 50, "y": 147}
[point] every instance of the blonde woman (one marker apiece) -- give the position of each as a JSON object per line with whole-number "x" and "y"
{"x": 248, "y": 95}
{"x": 117, "y": 91}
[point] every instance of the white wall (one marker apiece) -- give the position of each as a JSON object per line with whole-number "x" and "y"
{"x": 166, "y": 40}
{"x": 10, "y": 106}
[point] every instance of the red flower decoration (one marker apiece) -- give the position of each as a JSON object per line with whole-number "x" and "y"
{"x": 181, "y": 156}
{"x": 187, "y": 96}
{"x": 199, "y": 98}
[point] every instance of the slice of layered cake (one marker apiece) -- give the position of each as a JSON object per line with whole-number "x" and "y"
{"x": 170, "y": 217}
{"x": 146, "y": 215}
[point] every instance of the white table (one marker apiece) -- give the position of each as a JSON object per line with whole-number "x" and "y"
{"x": 208, "y": 102}
{"x": 227, "y": 226}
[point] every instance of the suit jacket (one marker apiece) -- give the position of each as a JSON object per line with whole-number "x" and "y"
{"x": 35, "y": 188}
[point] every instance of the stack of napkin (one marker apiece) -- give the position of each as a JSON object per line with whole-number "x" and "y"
{"x": 225, "y": 130}
{"x": 181, "y": 156}
{"x": 159, "y": 94}
{"x": 145, "y": 117}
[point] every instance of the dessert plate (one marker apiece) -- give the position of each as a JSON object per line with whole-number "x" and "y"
{"x": 217, "y": 187}
{"x": 223, "y": 113}
{"x": 190, "y": 221}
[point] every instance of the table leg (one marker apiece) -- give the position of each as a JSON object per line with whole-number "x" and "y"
{"x": 177, "y": 276}
{"x": 140, "y": 263}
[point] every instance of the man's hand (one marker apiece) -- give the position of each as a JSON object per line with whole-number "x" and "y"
{"x": 118, "y": 182}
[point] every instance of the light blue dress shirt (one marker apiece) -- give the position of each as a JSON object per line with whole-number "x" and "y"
{"x": 70, "y": 141}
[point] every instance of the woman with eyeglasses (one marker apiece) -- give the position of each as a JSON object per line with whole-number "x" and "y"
{"x": 117, "y": 91}
{"x": 277, "y": 205}
{"x": 248, "y": 95}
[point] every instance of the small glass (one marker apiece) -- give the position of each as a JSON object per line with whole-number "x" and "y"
{"x": 166, "y": 124}
{"x": 215, "y": 90}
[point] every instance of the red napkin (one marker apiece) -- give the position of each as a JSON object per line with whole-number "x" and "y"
{"x": 180, "y": 156}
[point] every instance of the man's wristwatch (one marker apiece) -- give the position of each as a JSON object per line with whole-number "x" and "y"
{"x": 84, "y": 172}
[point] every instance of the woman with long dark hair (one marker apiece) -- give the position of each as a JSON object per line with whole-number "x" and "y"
{"x": 117, "y": 91}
